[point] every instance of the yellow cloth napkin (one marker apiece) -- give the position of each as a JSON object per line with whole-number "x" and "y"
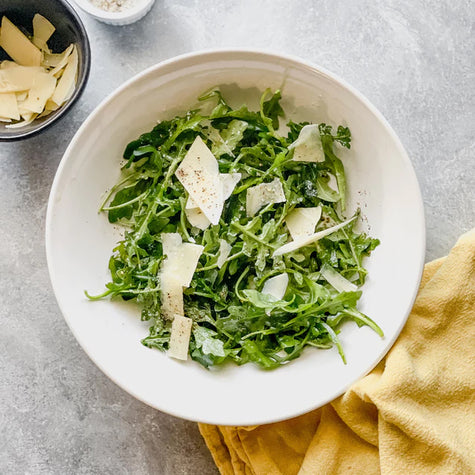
{"x": 413, "y": 414}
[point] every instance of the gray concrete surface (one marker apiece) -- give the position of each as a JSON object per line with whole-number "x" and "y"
{"x": 414, "y": 60}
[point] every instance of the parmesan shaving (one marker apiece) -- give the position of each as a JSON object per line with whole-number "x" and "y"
{"x": 58, "y": 61}
{"x": 45, "y": 113}
{"x": 67, "y": 82}
{"x": 42, "y": 31}
{"x": 190, "y": 203}
{"x": 263, "y": 194}
{"x": 223, "y": 252}
{"x": 194, "y": 214}
{"x": 51, "y": 106}
{"x": 7, "y": 64}
{"x": 180, "y": 337}
{"x": 196, "y": 218}
{"x": 276, "y": 286}
{"x": 207, "y": 188}
{"x": 27, "y": 119}
{"x": 39, "y": 81}
{"x": 188, "y": 260}
{"x": 302, "y": 221}
{"x": 15, "y": 78}
{"x": 199, "y": 175}
{"x": 181, "y": 260}
{"x": 170, "y": 243}
{"x": 229, "y": 182}
{"x": 171, "y": 297}
{"x": 40, "y": 92}
{"x": 305, "y": 241}
{"x": 9, "y": 106}
{"x": 336, "y": 280}
{"x": 308, "y": 146}
{"x": 176, "y": 271}
{"x": 18, "y": 46}
{"x": 21, "y": 96}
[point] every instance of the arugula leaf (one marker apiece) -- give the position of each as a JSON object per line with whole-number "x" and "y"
{"x": 261, "y": 300}
{"x": 272, "y": 109}
{"x": 207, "y": 340}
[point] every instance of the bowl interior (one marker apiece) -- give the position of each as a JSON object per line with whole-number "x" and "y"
{"x": 79, "y": 240}
{"x": 69, "y": 29}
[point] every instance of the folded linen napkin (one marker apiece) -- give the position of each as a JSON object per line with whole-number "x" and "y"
{"x": 413, "y": 414}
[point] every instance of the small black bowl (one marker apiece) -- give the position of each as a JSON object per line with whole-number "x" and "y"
{"x": 69, "y": 29}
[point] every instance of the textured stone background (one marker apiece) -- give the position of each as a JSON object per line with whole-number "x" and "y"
{"x": 414, "y": 60}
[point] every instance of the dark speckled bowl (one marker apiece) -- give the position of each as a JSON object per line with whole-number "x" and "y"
{"x": 69, "y": 29}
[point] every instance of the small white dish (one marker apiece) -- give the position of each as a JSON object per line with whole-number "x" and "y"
{"x": 124, "y": 17}
{"x": 79, "y": 241}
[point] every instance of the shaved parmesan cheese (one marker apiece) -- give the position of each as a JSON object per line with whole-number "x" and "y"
{"x": 45, "y": 113}
{"x": 223, "y": 252}
{"x": 195, "y": 216}
{"x": 18, "y": 46}
{"x": 308, "y": 146}
{"x": 188, "y": 258}
{"x": 58, "y": 61}
{"x": 263, "y": 194}
{"x": 180, "y": 337}
{"x": 305, "y": 241}
{"x": 27, "y": 119}
{"x": 41, "y": 91}
{"x": 171, "y": 296}
{"x": 15, "y": 78}
{"x": 197, "y": 219}
{"x": 42, "y": 31}
{"x": 199, "y": 175}
{"x": 21, "y": 96}
{"x": 67, "y": 83}
{"x": 24, "y": 113}
{"x": 170, "y": 242}
{"x": 302, "y": 221}
{"x": 9, "y": 106}
{"x": 171, "y": 288}
{"x": 51, "y": 106}
{"x": 190, "y": 203}
{"x": 182, "y": 258}
{"x": 336, "y": 280}
{"x": 176, "y": 272}
{"x": 276, "y": 286}
{"x": 229, "y": 181}
{"x": 7, "y": 64}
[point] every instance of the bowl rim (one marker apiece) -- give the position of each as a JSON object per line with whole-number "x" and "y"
{"x": 256, "y": 54}
{"x": 86, "y": 64}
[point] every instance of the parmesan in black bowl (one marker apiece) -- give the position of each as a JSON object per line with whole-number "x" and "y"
{"x": 44, "y": 64}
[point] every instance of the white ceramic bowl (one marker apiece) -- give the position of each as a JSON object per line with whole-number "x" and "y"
{"x": 79, "y": 240}
{"x": 125, "y": 17}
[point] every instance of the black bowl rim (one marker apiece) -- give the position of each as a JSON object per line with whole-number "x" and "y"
{"x": 86, "y": 63}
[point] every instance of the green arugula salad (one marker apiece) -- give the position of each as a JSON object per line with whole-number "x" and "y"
{"x": 236, "y": 242}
